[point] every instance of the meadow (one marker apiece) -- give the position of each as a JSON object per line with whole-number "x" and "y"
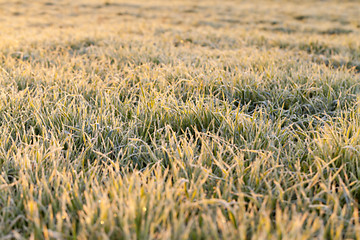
{"x": 179, "y": 119}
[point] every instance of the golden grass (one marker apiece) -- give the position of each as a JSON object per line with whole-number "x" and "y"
{"x": 179, "y": 119}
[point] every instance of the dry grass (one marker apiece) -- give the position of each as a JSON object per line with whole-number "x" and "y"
{"x": 179, "y": 119}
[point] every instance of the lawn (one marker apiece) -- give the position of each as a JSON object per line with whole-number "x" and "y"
{"x": 179, "y": 119}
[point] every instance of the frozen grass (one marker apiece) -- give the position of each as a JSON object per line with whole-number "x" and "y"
{"x": 179, "y": 120}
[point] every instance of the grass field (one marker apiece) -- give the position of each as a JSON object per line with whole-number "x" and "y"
{"x": 179, "y": 119}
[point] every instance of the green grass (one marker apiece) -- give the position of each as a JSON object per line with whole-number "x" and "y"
{"x": 179, "y": 120}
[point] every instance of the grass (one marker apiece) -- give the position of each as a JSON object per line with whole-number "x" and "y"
{"x": 179, "y": 120}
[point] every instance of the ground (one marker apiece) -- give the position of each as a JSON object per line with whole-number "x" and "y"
{"x": 179, "y": 119}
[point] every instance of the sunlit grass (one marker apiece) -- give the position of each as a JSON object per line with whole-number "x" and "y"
{"x": 179, "y": 120}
